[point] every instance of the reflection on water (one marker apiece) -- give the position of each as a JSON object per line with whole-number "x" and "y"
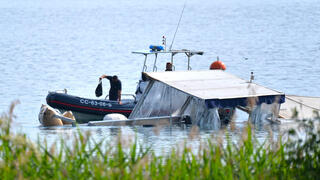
{"x": 50, "y": 45}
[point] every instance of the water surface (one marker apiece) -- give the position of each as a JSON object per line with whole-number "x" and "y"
{"x": 52, "y": 45}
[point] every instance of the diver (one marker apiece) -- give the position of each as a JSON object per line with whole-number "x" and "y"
{"x": 115, "y": 87}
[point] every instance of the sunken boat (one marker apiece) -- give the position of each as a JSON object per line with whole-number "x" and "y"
{"x": 195, "y": 97}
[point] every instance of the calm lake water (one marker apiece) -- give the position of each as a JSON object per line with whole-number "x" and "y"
{"x": 52, "y": 45}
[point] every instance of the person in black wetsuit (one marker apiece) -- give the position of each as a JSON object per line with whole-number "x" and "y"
{"x": 115, "y": 87}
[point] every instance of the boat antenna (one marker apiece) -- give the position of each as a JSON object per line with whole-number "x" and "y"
{"x": 174, "y": 36}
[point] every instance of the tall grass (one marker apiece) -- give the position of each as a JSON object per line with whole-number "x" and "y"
{"x": 85, "y": 159}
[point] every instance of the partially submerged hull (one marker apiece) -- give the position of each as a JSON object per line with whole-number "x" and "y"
{"x": 85, "y": 109}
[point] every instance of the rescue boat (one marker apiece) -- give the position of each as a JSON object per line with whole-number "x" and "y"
{"x": 85, "y": 109}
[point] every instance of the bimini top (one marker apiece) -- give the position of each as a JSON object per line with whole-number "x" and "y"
{"x": 218, "y": 88}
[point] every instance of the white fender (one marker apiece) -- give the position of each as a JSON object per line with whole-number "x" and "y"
{"x": 114, "y": 116}
{"x": 47, "y": 116}
{"x": 69, "y": 115}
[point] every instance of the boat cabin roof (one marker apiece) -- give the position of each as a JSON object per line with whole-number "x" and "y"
{"x": 217, "y": 87}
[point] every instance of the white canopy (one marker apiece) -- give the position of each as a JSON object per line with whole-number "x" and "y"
{"x": 215, "y": 85}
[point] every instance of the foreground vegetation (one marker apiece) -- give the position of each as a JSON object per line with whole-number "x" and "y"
{"x": 22, "y": 159}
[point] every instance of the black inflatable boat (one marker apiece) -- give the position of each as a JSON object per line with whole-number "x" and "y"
{"x": 85, "y": 109}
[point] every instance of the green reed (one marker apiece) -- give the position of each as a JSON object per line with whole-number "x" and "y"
{"x": 21, "y": 158}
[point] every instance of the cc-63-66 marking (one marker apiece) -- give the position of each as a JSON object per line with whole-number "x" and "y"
{"x": 95, "y": 103}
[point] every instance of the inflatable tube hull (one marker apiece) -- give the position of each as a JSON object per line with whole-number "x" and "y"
{"x": 85, "y": 109}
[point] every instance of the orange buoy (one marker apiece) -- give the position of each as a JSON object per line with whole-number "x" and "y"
{"x": 217, "y": 65}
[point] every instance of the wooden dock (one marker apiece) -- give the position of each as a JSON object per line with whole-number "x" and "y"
{"x": 300, "y": 107}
